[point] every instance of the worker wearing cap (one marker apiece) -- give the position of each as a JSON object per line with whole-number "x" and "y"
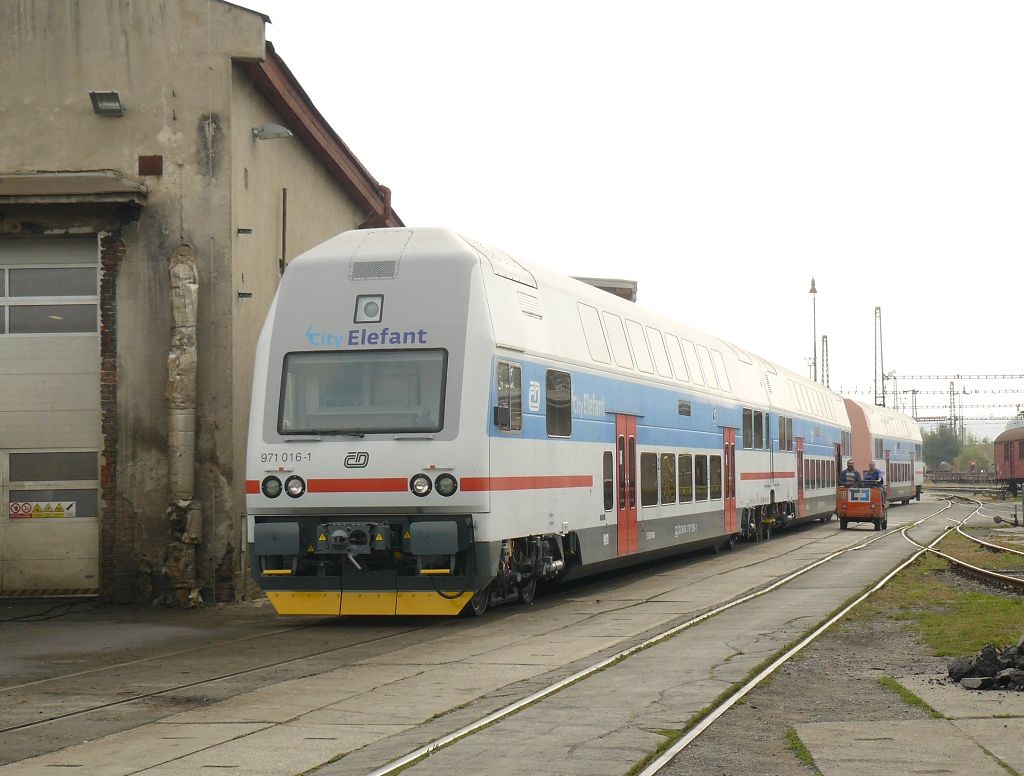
{"x": 850, "y": 477}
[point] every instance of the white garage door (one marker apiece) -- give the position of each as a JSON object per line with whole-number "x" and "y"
{"x": 50, "y": 437}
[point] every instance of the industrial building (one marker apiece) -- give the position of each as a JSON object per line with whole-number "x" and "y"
{"x": 160, "y": 166}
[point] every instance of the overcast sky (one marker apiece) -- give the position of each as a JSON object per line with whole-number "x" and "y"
{"x": 719, "y": 153}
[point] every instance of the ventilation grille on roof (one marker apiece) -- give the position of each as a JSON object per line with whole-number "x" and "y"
{"x": 373, "y": 270}
{"x": 530, "y": 305}
{"x": 504, "y": 265}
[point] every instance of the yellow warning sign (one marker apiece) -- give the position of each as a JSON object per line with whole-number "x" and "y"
{"x": 407, "y": 535}
{"x": 310, "y": 549}
{"x": 30, "y": 509}
{"x": 321, "y": 538}
{"x": 378, "y": 538}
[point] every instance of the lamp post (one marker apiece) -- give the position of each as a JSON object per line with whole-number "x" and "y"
{"x": 814, "y": 326}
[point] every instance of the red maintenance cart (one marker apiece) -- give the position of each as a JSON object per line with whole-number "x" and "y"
{"x": 862, "y": 505}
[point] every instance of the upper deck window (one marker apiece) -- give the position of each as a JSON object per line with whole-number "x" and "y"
{"x": 363, "y": 392}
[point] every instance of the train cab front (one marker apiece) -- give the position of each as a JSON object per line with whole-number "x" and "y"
{"x": 361, "y": 438}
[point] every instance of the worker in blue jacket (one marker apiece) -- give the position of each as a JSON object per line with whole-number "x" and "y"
{"x": 873, "y": 476}
{"x": 850, "y": 477}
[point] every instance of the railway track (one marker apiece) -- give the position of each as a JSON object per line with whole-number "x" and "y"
{"x": 397, "y": 765}
{"x": 608, "y": 661}
{"x": 991, "y": 576}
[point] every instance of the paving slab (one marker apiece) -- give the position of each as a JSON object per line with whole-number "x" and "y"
{"x": 1001, "y": 737}
{"x": 282, "y": 749}
{"x": 954, "y": 702}
{"x": 130, "y": 751}
{"x": 885, "y": 748}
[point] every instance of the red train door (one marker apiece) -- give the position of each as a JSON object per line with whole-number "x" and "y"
{"x": 625, "y": 476}
{"x": 800, "y": 509}
{"x": 729, "y": 458}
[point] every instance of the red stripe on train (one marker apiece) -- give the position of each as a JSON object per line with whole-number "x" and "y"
{"x": 767, "y": 475}
{"x": 360, "y": 485}
{"x": 541, "y": 482}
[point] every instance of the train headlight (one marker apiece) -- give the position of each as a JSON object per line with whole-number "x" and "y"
{"x": 271, "y": 487}
{"x": 446, "y": 485}
{"x": 295, "y": 486}
{"x": 420, "y": 485}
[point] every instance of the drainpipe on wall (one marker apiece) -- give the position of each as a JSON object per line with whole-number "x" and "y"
{"x": 184, "y": 513}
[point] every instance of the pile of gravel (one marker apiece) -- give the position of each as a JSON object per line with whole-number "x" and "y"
{"x": 994, "y": 668}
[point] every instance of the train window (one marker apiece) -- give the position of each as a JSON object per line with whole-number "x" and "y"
{"x": 675, "y": 355}
{"x": 723, "y": 376}
{"x": 608, "y": 480}
{"x": 748, "y": 429}
{"x": 716, "y": 476}
{"x": 684, "y": 407}
{"x": 700, "y": 477}
{"x": 363, "y": 392}
{"x": 807, "y": 474}
{"x": 641, "y": 350}
{"x": 668, "y": 478}
{"x": 782, "y": 433}
{"x": 689, "y": 352}
{"x": 789, "y": 435}
{"x": 685, "y": 478}
{"x": 594, "y": 334}
{"x": 878, "y": 448}
{"x": 648, "y": 479}
{"x": 559, "y": 403}
{"x": 1020, "y": 449}
{"x": 767, "y": 432}
{"x": 617, "y": 338}
{"x": 660, "y": 354}
{"x": 758, "y": 430}
{"x": 705, "y": 362}
{"x": 510, "y": 397}
{"x": 1008, "y": 451}
{"x": 622, "y": 472}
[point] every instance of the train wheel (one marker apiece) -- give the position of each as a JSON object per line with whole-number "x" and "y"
{"x": 527, "y": 592}
{"x": 478, "y": 603}
{"x": 842, "y": 524}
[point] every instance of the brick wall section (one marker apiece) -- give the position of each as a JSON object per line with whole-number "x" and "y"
{"x": 116, "y": 540}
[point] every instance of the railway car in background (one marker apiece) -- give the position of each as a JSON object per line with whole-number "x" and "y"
{"x": 436, "y": 426}
{"x": 893, "y": 441}
{"x": 1009, "y": 458}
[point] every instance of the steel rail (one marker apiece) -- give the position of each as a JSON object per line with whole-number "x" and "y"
{"x": 666, "y": 757}
{"x": 510, "y": 709}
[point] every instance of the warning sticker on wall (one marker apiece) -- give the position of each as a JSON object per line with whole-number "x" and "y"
{"x": 29, "y": 509}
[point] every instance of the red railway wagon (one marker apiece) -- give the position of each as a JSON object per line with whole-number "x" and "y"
{"x": 1009, "y": 455}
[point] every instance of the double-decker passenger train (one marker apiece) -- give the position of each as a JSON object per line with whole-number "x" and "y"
{"x": 436, "y": 426}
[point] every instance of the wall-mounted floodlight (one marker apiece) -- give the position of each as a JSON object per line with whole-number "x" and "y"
{"x": 107, "y": 103}
{"x": 270, "y": 132}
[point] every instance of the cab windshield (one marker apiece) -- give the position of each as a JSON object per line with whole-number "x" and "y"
{"x": 363, "y": 392}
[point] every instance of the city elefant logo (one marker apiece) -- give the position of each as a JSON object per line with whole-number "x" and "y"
{"x": 362, "y": 337}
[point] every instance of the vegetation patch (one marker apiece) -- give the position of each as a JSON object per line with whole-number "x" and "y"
{"x": 951, "y": 620}
{"x": 797, "y": 747}
{"x": 979, "y": 555}
{"x": 910, "y": 698}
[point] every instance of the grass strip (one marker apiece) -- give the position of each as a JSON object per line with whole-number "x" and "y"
{"x": 908, "y": 697}
{"x": 797, "y": 747}
{"x": 671, "y": 736}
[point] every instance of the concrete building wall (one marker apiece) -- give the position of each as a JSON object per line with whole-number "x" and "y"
{"x": 188, "y": 104}
{"x": 290, "y": 203}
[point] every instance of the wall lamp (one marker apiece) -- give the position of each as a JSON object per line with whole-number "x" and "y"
{"x": 107, "y": 103}
{"x": 270, "y": 132}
